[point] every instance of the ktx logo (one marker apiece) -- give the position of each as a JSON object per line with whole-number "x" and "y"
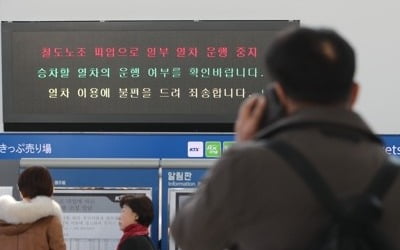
{"x": 195, "y": 149}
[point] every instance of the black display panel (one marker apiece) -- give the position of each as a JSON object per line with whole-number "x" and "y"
{"x": 155, "y": 76}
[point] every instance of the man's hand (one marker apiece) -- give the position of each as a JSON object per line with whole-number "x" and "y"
{"x": 249, "y": 117}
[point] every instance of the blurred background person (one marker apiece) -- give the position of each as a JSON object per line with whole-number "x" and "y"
{"x": 252, "y": 198}
{"x": 35, "y": 222}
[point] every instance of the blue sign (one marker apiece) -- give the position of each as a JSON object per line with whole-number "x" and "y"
{"x": 101, "y": 145}
{"x": 392, "y": 144}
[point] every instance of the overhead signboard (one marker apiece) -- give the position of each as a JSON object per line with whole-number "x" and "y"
{"x": 132, "y": 75}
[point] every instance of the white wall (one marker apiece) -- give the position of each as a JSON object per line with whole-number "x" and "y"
{"x": 370, "y": 26}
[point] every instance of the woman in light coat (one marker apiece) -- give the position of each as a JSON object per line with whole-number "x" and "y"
{"x": 34, "y": 223}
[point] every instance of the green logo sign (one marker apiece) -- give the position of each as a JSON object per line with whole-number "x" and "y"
{"x": 213, "y": 149}
{"x": 227, "y": 145}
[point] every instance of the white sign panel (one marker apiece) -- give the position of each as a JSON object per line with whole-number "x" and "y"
{"x": 90, "y": 219}
{"x": 6, "y": 190}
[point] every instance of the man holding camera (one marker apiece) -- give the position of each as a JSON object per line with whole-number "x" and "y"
{"x": 252, "y": 199}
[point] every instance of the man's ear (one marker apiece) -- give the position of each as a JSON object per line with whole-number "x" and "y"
{"x": 354, "y": 90}
{"x": 283, "y": 98}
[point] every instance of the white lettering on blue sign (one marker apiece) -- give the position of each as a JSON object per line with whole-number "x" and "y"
{"x": 180, "y": 179}
{"x": 179, "y": 176}
{"x": 60, "y": 182}
{"x": 171, "y": 176}
{"x": 188, "y": 176}
{"x": 25, "y": 148}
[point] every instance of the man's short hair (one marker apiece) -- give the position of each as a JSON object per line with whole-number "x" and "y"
{"x": 141, "y": 205}
{"x": 35, "y": 181}
{"x": 312, "y": 65}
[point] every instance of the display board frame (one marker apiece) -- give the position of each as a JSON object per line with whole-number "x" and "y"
{"x": 27, "y": 107}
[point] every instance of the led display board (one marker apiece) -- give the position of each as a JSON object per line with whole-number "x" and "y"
{"x": 158, "y": 76}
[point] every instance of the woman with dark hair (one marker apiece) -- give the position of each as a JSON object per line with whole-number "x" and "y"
{"x": 35, "y": 222}
{"x": 135, "y": 218}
